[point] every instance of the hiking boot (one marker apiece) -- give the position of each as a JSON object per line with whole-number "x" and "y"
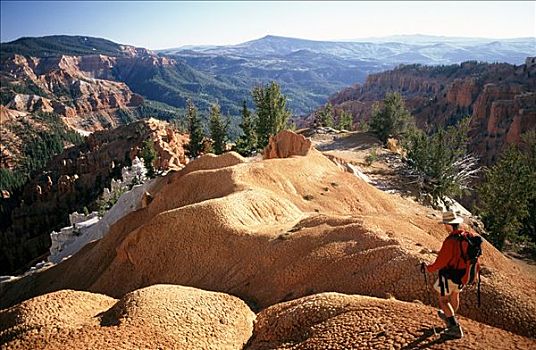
{"x": 454, "y": 332}
{"x": 442, "y": 316}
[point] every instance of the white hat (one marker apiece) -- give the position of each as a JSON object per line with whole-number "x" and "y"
{"x": 450, "y": 217}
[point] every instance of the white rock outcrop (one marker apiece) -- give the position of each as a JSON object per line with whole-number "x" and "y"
{"x": 87, "y": 228}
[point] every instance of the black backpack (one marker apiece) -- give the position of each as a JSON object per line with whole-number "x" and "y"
{"x": 470, "y": 256}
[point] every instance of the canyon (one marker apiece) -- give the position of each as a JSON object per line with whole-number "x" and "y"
{"x": 499, "y": 98}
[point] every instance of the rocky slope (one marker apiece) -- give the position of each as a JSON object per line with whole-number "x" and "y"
{"x": 501, "y": 99}
{"x": 278, "y": 229}
{"x": 77, "y": 88}
{"x": 74, "y": 179}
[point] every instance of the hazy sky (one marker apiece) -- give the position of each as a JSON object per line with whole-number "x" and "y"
{"x": 156, "y": 25}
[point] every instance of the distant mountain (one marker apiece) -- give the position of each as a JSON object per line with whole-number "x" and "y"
{"x": 422, "y": 39}
{"x": 310, "y": 70}
{"x": 384, "y": 50}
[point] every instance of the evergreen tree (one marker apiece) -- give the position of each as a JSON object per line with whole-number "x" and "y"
{"x": 325, "y": 116}
{"x": 195, "y": 146}
{"x": 507, "y": 197}
{"x": 246, "y": 142}
{"x": 441, "y": 162}
{"x": 272, "y": 113}
{"x": 345, "y": 121}
{"x": 218, "y": 129}
{"x": 391, "y": 119}
{"x": 148, "y": 153}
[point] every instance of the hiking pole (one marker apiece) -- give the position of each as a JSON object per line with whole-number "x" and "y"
{"x": 423, "y": 270}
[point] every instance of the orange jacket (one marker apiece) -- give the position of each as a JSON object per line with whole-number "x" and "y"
{"x": 450, "y": 255}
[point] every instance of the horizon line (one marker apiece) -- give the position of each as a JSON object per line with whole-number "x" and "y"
{"x": 358, "y": 39}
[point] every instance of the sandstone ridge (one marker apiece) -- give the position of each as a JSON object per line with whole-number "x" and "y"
{"x": 274, "y": 230}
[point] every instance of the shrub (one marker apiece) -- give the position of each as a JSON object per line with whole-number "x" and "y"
{"x": 371, "y": 157}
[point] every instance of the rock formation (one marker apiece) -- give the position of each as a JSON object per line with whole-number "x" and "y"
{"x": 11, "y": 143}
{"x": 76, "y": 178}
{"x": 170, "y": 316}
{"x": 501, "y": 99}
{"x": 160, "y": 316}
{"x": 79, "y": 88}
{"x": 286, "y": 144}
{"x": 274, "y": 230}
{"x": 132, "y": 192}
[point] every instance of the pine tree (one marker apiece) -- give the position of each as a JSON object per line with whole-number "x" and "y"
{"x": 507, "y": 197}
{"x": 195, "y": 146}
{"x": 245, "y": 145}
{"x": 218, "y": 129}
{"x": 392, "y": 119}
{"x": 148, "y": 153}
{"x": 272, "y": 113}
{"x": 345, "y": 121}
{"x": 325, "y": 115}
{"x": 441, "y": 162}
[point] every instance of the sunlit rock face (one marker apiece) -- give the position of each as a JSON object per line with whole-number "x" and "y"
{"x": 500, "y": 98}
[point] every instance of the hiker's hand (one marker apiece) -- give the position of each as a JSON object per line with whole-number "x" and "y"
{"x": 423, "y": 267}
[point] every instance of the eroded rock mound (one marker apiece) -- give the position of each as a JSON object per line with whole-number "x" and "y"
{"x": 275, "y": 230}
{"x": 161, "y": 316}
{"x": 337, "y": 321}
{"x": 287, "y": 144}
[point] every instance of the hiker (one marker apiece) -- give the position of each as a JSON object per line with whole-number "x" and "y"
{"x": 453, "y": 266}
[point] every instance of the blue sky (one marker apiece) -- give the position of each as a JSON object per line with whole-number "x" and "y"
{"x": 156, "y": 25}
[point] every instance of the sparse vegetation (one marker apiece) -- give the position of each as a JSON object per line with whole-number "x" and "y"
{"x": 149, "y": 155}
{"x": 363, "y": 126}
{"x": 324, "y": 116}
{"x": 105, "y": 205}
{"x": 371, "y": 157}
{"x": 345, "y": 121}
{"x": 246, "y": 143}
